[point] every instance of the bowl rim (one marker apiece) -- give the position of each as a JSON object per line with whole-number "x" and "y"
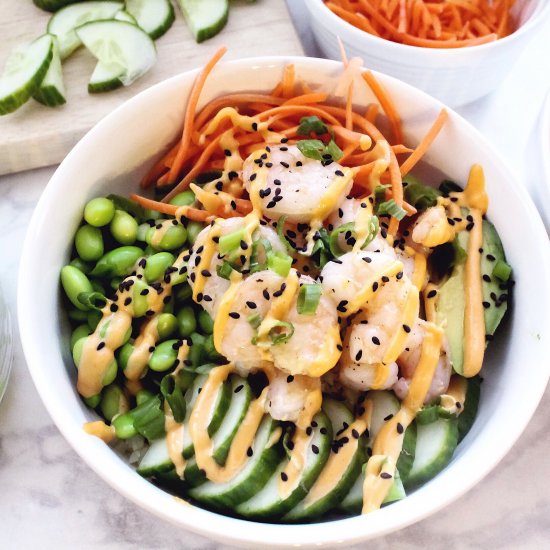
{"x": 340, "y": 26}
{"x": 223, "y": 528}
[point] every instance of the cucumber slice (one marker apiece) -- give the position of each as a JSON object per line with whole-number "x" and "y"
{"x": 66, "y": 20}
{"x": 408, "y": 450}
{"x": 268, "y": 502}
{"x": 468, "y": 415}
{"x": 253, "y": 476}
{"x": 339, "y": 415}
{"x": 435, "y": 445}
{"x": 155, "y": 17}
{"x": 384, "y": 405}
{"x": 52, "y": 89}
{"x": 106, "y": 77}
{"x": 125, "y": 16}
{"x": 53, "y": 5}
{"x": 119, "y": 43}
{"x": 241, "y": 395}
{"x": 156, "y": 460}
{"x": 353, "y": 501}
{"x": 24, "y": 71}
{"x": 205, "y": 18}
{"x": 326, "y": 494}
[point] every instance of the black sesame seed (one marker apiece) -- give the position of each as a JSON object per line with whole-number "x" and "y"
{"x": 309, "y": 430}
{"x": 251, "y": 305}
{"x": 289, "y": 378}
{"x": 100, "y": 346}
{"x": 399, "y": 428}
{"x": 432, "y": 294}
{"x": 358, "y": 355}
{"x": 407, "y": 328}
{"x": 389, "y": 417}
{"x": 284, "y": 164}
{"x": 486, "y": 278}
{"x": 114, "y": 307}
{"x": 385, "y": 475}
{"x": 374, "y": 286}
{"x": 315, "y": 449}
{"x": 458, "y": 405}
{"x": 238, "y": 388}
{"x": 253, "y": 177}
{"x": 284, "y": 477}
{"x": 367, "y": 259}
{"x": 355, "y": 433}
{"x": 127, "y": 301}
{"x": 265, "y": 294}
{"x": 249, "y": 452}
{"x": 486, "y": 305}
{"x": 227, "y": 153}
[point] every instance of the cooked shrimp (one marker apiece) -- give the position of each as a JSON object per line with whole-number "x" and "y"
{"x": 215, "y": 286}
{"x": 287, "y": 394}
{"x": 432, "y": 228}
{"x": 409, "y": 359}
{"x": 349, "y": 280}
{"x": 295, "y": 184}
{"x": 312, "y": 348}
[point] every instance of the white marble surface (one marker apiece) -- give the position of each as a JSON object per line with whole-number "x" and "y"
{"x": 50, "y": 499}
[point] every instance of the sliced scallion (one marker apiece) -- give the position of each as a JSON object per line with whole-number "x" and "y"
{"x": 258, "y": 258}
{"x": 255, "y": 320}
{"x": 92, "y": 300}
{"x": 502, "y": 271}
{"x": 281, "y": 233}
{"x": 279, "y": 262}
{"x": 281, "y": 332}
{"x": 335, "y": 247}
{"x": 391, "y": 208}
{"x": 308, "y": 299}
{"x": 224, "y": 271}
{"x": 172, "y": 393}
{"x": 231, "y": 242}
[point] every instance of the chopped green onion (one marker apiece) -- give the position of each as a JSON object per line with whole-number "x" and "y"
{"x": 317, "y": 150}
{"x": 281, "y": 332}
{"x": 448, "y": 186}
{"x": 320, "y": 252}
{"x": 148, "y": 419}
{"x": 256, "y": 263}
{"x": 460, "y": 254}
{"x": 231, "y": 242}
{"x": 174, "y": 396}
{"x": 419, "y": 195}
{"x": 308, "y": 299}
{"x": 311, "y": 125}
{"x": 333, "y": 238}
{"x": 502, "y": 270}
{"x": 92, "y": 300}
{"x": 279, "y": 262}
{"x": 255, "y": 320}
{"x": 391, "y": 208}
{"x": 200, "y": 369}
{"x": 224, "y": 271}
{"x": 380, "y": 193}
{"x": 334, "y": 151}
{"x": 281, "y": 234}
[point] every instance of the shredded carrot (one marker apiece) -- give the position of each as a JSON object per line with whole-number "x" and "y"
{"x": 190, "y": 110}
{"x": 288, "y": 81}
{"x": 424, "y": 145}
{"x": 429, "y": 23}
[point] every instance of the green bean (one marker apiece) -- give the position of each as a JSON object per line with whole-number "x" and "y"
{"x": 142, "y": 396}
{"x": 74, "y": 282}
{"x": 157, "y": 264}
{"x": 93, "y": 318}
{"x": 79, "y": 332}
{"x": 205, "y": 322}
{"x": 193, "y": 229}
{"x": 124, "y": 426}
{"x": 187, "y": 324}
{"x": 185, "y": 198}
{"x": 166, "y": 325}
{"x": 113, "y": 402}
{"x": 174, "y": 237}
{"x": 92, "y": 402}
{"x": 118, "y": 262}
{"x": 89, "y": 243}
{"x": 79, "y": 263}
{"x": 183, "y": 293}
{"x": 124, "y": 227}
{"x": 164, "y": 356}
{"x": 78, "y": 316}
{"x": 99, "y": 212}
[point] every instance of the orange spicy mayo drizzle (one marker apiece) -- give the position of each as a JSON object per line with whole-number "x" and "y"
{"x": 389, "y": 441}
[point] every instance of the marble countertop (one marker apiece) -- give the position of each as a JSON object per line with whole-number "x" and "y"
{"x": 51, "y": 499}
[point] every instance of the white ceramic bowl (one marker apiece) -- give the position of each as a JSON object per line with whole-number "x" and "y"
{"x": 541, "y": 190}
{"x": 113, "y": 156}
{"x": 455, "y": 76}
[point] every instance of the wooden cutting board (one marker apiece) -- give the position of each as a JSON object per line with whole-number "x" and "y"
{"x": 37, "y": 136}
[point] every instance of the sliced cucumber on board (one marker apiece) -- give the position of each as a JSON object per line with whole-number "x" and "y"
{"x": 64, "y": 22}
{"x": 119, "y": 43}
{"x": 24, "y": 71}
{"x": 205, "y": 18}
{"x": 125, "y": 16}
{"x": 106, "y": 77}
{"x": 333, "y": 482}
{"x": 435, "y": 445}
{"x": 51, "y": 91}
{"x": 269, "y": 503}
{"x": 252, "y": 477}
{"x": 155, "y": 17}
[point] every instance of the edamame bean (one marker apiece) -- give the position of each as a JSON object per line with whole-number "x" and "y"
{"x": 93, "y": 319}
{"x": 113, "y": 402}
{"x": 164, "y": 356}
{"x": 115, "y": 282}
{"x": 187, "y": 324}
{"x": 183, "y": 293}
{"x": 77, "y": 350}
{"x": 93, "y": 401}
{"x": 174, "y": 237}
{"x": 185, "y": 198}
{"x": 110, "y": 373}
{"x": 89, "y": 243}
{"x": 99, "y": 212}
{"x": 196, "y": 353}
{"x": 142, "y": 232}
{"x": 205, "y": 322}
{"x": 79, "y": 263}
{"x": 123, "y": 355}
{"x": 78, "y": 316}
{"x": 140, "y": 302}
{"x": 74, "y": 282}
{"x": 142, "y": 396}
{"x": 169, "y": 306}
{"x": 149, "y": 214}
{"x": 124, "y": 426}
{"x": 157, "y": 264}
{"x": 193, "y": 229}
{"x": 97, "y": 286}
{"x": 124, "y": 227}
{"x": 166, "y": 325}
{"x": 79, "y": 332}
{"x": 210, "y": 349}
{"x": 118, "y": 262}
{"x": 123, "y": 203}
